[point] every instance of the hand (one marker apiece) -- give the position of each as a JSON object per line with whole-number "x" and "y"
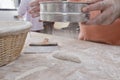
{"x": 35, "y": 7}
{"x": 110, "y": 11}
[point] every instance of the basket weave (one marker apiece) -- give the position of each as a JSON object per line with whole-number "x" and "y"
{"x": 11, "y": 44}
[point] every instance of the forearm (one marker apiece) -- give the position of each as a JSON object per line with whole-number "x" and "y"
{"x": 22, "y": 9}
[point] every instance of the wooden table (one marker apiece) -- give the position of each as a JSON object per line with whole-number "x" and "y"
{"x": 98, "y": 62}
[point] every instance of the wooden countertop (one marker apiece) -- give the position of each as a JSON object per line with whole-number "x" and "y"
{"x": 98, "y": 62}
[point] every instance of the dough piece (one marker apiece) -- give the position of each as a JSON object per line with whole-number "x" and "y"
{"x": 60, "y": 25}
{"x": 67, "y": 57}
{"x": 45, "y": 41}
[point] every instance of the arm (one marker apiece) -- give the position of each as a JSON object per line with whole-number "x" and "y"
{"x": 23, "y": 7}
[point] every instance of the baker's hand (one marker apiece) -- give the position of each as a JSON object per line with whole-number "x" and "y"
{"x": 110, "y": 11}
{"x": 34, "y": 8}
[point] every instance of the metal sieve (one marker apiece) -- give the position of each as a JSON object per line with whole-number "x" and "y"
{"x": 63, "y": 11}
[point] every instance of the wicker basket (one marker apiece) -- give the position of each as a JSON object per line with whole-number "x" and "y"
{"x": 12, "y": 38}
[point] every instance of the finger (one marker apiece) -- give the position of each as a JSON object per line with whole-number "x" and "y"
{"x": 109, "y": 21}
{"x": 34, "y": 10}
{"x": 111, "y": 18}
{"x": 97, "y": 6}
{"x": 100, "y": 18}
{"x": 35, "y": 15}
{"x": 81, "y": 36}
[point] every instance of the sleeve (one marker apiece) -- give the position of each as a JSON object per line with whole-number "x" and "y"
{"x": 23, "y": 7}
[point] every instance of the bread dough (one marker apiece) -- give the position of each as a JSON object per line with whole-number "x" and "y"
{"x": 60, "y": 25}
{"x": 67, "y": 57}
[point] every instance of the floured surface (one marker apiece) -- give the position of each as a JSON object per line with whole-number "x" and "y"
{"x": 41, "y": 49}
{"x": 98, "y": 62}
